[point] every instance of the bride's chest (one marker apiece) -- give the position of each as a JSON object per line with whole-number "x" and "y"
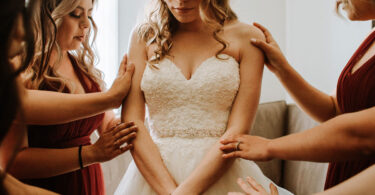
{"x": 214, "y": 78}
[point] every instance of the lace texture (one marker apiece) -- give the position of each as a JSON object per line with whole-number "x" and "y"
{"x": 198, "y": 107}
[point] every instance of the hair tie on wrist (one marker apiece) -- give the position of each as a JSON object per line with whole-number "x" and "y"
{"x": 80, "y": 156}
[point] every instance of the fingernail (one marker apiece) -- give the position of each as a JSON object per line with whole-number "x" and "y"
{"x": 253, "y": 40}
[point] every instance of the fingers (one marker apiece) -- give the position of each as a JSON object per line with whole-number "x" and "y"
{"x": 120, "y": 126}
{"x": 235, "y": 193}
{"x": 229, "y": 147}
{"x": 261, "y": 45}
{"x": 234, "y": 154}
{"x": 124, "y": 133}
{"x": 123, "y": 64}
{"x": 130, "y": 69}
{"x": 273, "y": 189}
{"x": 228, "y": 140}
{"x": 245, "y": 187}
{"x": 126, "y": 139}
{"x": 125, "y": 148}
{"x": 265, "y": 31}
{"x": 255, "y": 185}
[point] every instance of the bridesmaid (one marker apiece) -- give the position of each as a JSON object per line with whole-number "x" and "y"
{"x": 15, "y": 34}
{"x": 346, "y": 136}
{"x": 61, "y": 157}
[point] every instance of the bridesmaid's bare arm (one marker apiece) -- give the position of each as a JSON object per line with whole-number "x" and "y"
{"x": 317, "y": 104}
{"x": 46, "y": 107}
{"x": 46, "y": 162}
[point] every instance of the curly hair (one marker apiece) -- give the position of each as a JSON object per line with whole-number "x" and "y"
{"x": 47, "y": 20}
{"x": 160, "y": 25}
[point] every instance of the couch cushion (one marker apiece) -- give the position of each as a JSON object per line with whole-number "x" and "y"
{"x": 302, "y": 177}
{"x": 270, "y": 122}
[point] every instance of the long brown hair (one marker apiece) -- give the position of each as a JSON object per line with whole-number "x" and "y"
{"x": 47, "y": 20}
{"x": 160, "y": 24}
{"x": 9, "y": 91}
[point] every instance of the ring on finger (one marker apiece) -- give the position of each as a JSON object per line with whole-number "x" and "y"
{"x": 238, "y": 145}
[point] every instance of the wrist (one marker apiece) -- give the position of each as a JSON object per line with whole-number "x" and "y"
{"x": 270, "y": 150}
{"x": 184, "y": 189}
{"x": 88, "y": 155}
{"x": 113, "y": 100}
{"x": 284, "y": 71}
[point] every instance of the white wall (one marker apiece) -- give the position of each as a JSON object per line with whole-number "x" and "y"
{"x": 315, "y": 40}
{"x": 272, "y": 14}
{"x": 129, "y": 13}
{"x": 319, "y": 43}
{"x": 105, "y": 16}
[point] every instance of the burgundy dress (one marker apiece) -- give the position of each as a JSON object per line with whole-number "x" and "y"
{"x": 86, "y": 181}
{"x": 355, "y": 92}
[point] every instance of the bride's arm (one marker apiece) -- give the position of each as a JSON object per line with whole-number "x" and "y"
{"x": 145, "y": 153}
{"x": 213, "y": 166}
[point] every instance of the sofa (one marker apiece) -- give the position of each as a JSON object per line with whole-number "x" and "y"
{"x": 273, "y": 119}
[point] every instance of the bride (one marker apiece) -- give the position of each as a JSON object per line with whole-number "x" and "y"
{"x": 200, "y": 79}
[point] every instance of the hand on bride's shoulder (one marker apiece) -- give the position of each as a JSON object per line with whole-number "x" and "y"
{"x": 243, "y": 32}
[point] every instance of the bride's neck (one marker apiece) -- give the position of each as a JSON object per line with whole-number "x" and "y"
{"x": 196, "y": 26}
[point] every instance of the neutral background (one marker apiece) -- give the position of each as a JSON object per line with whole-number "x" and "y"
{"x": 316, "y": 41}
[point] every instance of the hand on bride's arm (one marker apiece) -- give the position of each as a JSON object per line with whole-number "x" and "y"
{"x": 109, "y": 144}
{"x": 121, "y": 85}
{"x": 251, "y": 187}
{"x": 249, "y": 147}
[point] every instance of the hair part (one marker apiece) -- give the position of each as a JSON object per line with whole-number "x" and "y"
{"x": 160, "y": 25}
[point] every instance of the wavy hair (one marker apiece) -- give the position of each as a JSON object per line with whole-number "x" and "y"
{"x": 160, "y": 24}
{"x": 47, "y": 20}
{"x": 11, "y": 106}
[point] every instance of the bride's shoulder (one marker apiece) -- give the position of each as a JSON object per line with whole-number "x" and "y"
{"x": 241, "y": 31}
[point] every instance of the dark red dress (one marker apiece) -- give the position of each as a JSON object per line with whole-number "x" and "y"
{"x": 355, "y": 92}
{"x": 88, "y": 181}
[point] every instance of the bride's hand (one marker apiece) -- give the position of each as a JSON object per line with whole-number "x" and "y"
{"x": 247, "y": 147}
{"x": 253, "y": 188}
{"x": 121, "y": 85}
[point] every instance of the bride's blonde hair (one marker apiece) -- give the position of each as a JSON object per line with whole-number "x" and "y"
{"x": 46, "y": 22}
{"x": 160, "y": 24}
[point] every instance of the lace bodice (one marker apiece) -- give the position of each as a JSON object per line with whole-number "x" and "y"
{"x": 198, "y": 107}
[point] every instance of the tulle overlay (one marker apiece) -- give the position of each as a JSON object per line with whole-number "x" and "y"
{"x": 181, "y": 156}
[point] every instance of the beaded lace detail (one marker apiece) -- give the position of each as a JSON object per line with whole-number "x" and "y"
{"x": 198, "y": 107}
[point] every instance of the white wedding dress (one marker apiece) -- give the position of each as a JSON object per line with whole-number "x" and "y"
{"x": 186, "y": 117}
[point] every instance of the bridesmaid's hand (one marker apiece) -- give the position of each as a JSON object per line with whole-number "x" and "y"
{"x": 275, "y": 60}
{"x": 109, "y": 144}
{"x": 253, "y": 188}
{"x": 250, "y": 148}
{"x": 120, "y": 87}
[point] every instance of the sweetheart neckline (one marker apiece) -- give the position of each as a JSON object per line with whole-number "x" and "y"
{"x": 200, "y": 65}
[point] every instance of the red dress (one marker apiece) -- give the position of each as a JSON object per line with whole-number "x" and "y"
{"x": 86, "y": 181}
{"x": 355, "y": 92}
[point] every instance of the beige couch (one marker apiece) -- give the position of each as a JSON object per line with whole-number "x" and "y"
{"x": 273, "y": 120}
